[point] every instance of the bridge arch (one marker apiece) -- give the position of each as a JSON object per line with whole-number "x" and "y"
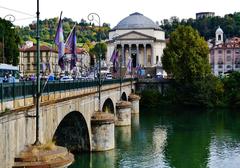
{"x": 124, "y": 96}
{"x": 108, "y": 106}
{"x": 72, "y": 132}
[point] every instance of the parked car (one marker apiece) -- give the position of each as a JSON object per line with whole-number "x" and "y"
{"x": 108, "y": 76}
{"x": 91, "y": 76}
{"x": 66, "y": 78}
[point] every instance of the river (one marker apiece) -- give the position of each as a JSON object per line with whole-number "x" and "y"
{"x": 172, "y": 138}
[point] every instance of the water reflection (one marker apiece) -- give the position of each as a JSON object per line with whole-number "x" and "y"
{"x": 95, "y": 160}
{"x": 103, "y": 159}
{"x": 173, "y": 139}
{"x": 123, "y": 135}
{"x": 135, "y": 121}
{"x": 224, "y": 152}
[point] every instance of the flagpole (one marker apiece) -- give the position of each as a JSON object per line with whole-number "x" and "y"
{"x": 91, "y": 18}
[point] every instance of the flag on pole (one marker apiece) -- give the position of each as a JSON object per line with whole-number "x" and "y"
{"x": 129, "y": 65}
{"x": 113, "y": 56}
{"x": 71, "y": 44}
{"x": 115, "y": 63}
{"x": 59, "y": 41}
{"x": 114, "y": 60}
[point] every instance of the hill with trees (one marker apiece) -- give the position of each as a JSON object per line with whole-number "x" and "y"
{"x": 207, "y": 26}
{"x": 86, "y": 32}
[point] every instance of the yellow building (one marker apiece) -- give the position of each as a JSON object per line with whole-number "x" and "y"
{"x": 48, "y": 60}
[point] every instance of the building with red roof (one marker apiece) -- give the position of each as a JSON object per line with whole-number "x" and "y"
{"x": 224, "y": 55}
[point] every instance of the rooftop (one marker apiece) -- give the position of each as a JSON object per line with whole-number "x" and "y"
{"x": 136, "y": 21}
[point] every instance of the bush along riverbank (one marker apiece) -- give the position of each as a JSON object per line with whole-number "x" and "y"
{"x": 209, "y": 92}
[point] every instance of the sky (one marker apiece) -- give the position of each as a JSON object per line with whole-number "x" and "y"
{"x": 112, "y": 11}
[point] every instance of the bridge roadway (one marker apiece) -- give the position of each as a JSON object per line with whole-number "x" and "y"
{"x": 65, "y": 114}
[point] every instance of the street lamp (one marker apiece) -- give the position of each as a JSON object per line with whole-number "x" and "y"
{"x": 37, "y": 142}
{"x": 11, "y": 19}
{"x": 91, "y": 18}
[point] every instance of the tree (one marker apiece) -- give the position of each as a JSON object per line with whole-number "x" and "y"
{"x": 232, "y": 89}
{"x": 186, "y": 58}
{"x": 100, "y": 49}
{"x": 11, "y": 41}
{"x": 186, "y": 55}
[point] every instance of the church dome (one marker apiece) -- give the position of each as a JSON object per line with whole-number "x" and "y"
{"x": 136, "y": 21}
{"x": 219, "y": 30}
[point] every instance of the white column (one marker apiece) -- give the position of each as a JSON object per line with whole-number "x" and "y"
{"x": 130, "y": 51}
{"x": 145, "y": 54}
{"x": 137, "y": 57}
{"x": 122, "y": 54}
{"x": 152, "y": 55}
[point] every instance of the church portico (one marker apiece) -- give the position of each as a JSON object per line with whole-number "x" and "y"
{"x": 141, "y": 53}
{"x": 137, "y": 37}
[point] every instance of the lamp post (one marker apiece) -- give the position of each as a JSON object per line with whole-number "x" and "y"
{"x": 91, "y": 18}
{"x": 37, "y": 142}
{"x": 10, "y": 18}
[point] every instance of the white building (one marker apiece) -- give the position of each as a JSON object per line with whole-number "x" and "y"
{"x": 139, "y": 37}
{"x": 225, "y": 56}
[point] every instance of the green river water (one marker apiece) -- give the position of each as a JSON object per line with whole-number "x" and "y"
{"x": 172, "y": 139}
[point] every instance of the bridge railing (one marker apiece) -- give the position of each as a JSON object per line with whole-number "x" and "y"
{"x": 12, "y": 91}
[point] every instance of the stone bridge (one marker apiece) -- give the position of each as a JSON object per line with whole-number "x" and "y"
{"x": 65, "y": 117}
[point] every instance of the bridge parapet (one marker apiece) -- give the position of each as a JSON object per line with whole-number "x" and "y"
{"x": 17, "y": 95}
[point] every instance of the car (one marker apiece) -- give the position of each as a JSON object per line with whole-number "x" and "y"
{"x": 91, "y": 76}
{"x": 108, "y": 76}
{"x": 66, "y": 78}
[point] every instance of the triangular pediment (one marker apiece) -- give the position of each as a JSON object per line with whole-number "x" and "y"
{"x": 133, "y": 35}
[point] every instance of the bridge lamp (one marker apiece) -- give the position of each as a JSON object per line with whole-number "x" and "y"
{"x": 91, "y": 18}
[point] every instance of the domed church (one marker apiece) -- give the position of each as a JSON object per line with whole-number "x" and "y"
{"x": 139, "y": 37}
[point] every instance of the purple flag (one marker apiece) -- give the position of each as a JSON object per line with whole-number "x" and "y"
{"x": 71, "y": 44}
{"x": 59, "y": 41}
{"x": 113, "y": 56}
{"x": 115, "y": 63}
{"x": 129, "y": 65}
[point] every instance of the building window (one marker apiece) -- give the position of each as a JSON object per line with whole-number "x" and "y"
{"x": 228, "y": 58}
{"x": 229, "y": 66}
{"x": 28, "y": 67}
{"x": 219, "y": 37}
{"x": 47, "y": 55}
{"x": 28, "y": 57}
{"x": 220, "y": 60}
{"x": 219, "y": 66}
{"x": 228, "y": 51}
{"x": 237, "y": 51}
{"x": 157, "y": 59}
{"x": 219, "y": 51}
{"x": 237, "y": 66}
{"x": 237, "y": 60}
